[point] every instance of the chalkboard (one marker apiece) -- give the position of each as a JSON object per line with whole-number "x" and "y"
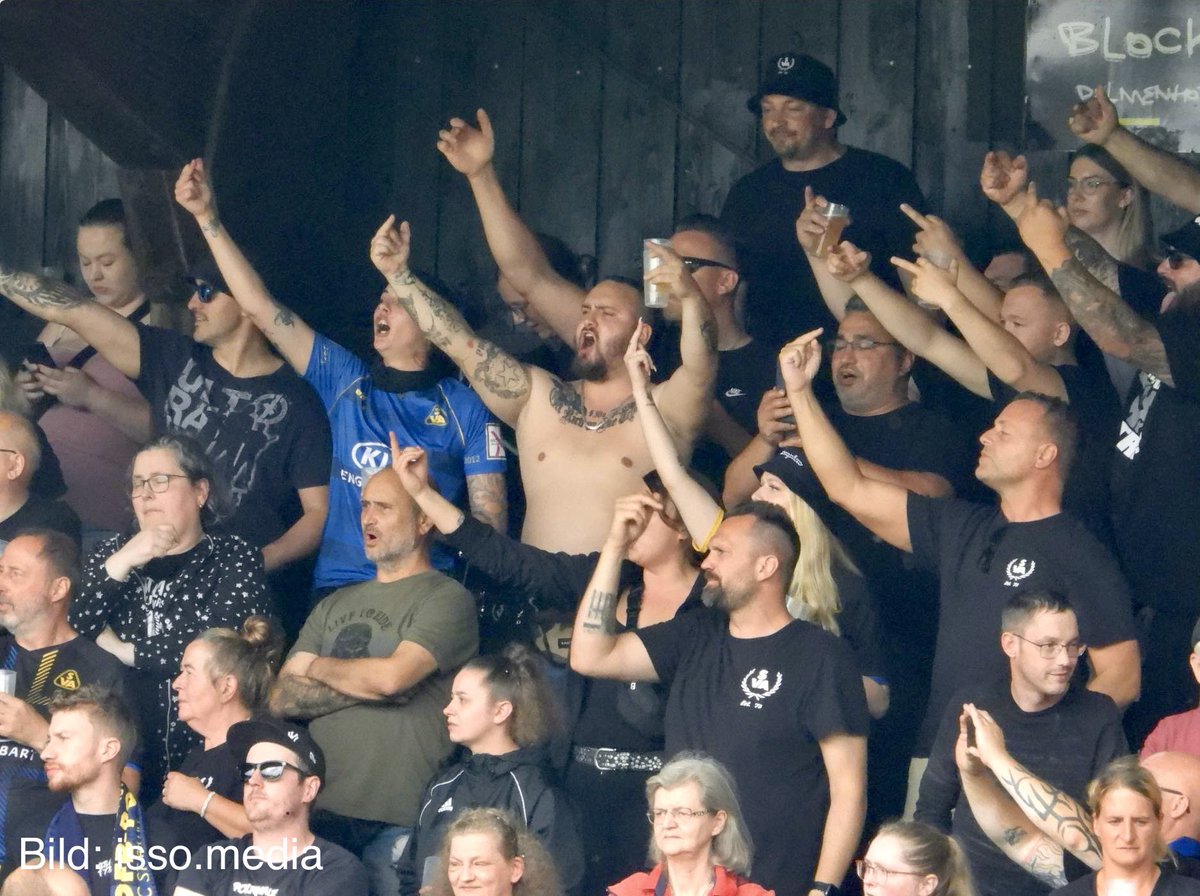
{"x": 1146, "y": 53}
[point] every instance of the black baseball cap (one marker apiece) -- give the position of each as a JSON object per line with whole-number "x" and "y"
{"x": 244, "y": 735}
{"x": 1185, "y": 239}
{"x": 801, "y": 76}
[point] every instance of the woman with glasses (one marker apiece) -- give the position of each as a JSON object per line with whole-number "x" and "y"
{"x": 224, "y": 678}
{"x": 698, "y": 842}
{"x": 502, "y": 714}
{"x": 487, "y": 852}
{"x": 144, "y": 597}
{"x": 908, "y": 858}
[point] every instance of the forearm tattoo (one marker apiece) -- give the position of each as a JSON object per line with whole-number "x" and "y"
{"x": 495, "y": 370}
{"x": 1059, "y": 815}
{"x": 1109, "y": 320}
{"x": 488, "y": 498}
{"x": 301, "y": 697}
{"x": 708, "y": 332}
{"x": 1092, "y": 256}
{"x": 213, "y": 227}
{"x": 284, "y": 317}
{"x": 36, "y": 292}
{"x": 566, "y": 400}
{"x": 600, "y": 616}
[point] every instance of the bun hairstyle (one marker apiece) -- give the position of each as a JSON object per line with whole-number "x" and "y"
{"x": 515, "y": 675}
{"x": 251, "y": 655}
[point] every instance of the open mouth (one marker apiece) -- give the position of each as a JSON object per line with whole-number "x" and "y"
{"x": 382, "y": 328}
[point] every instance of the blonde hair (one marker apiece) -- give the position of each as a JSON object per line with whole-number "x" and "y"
{"x": 1126, "y": 773}
{"x": 813, "y": 592}
{"x": 540, "y": 878}
{"x": 1135, "y": 237}
{"x": 929, "y": 851}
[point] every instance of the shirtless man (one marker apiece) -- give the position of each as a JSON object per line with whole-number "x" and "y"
{"x": 581, "y": 443}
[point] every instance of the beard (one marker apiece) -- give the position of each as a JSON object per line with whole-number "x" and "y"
{"x": 726, "y": 600}
{"x": 1188, "y": 296}
{"x": 589, "y": 371}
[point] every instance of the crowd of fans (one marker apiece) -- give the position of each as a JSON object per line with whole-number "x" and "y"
{"x": 756, "y": 599}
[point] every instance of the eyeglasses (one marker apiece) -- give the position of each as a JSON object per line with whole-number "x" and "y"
{"x": 656, "y": 815}
{"x": 9, "y": 451}
{"x": 1089, "y": 186}
{"x": 1177, "y": 259}
{"x": 867, "y": 868}
{"x": 695, "y": 264}
{"x": 205, "y": 292}
{"x": 271, "y": 770}
{"x": 859, "y": 344}
{"x": 158, "y": 483}
{"x": 1049, "y": 649}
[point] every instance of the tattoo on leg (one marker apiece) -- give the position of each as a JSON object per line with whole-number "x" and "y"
{"x": 599, "y": 616}
{"x": 566, "y": 400}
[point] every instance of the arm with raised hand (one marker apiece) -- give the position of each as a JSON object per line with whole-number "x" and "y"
{"x": 937, "y": 241}
{"x": 1161, "y": 172}
{"x": 287, "y": 332}
{"x": 518, "y": 254}
{"x": 114, "y": 337}
{"x": 988, "y": 342}
{"x": 697, "y": 509}
{"x": 810, "y": 228}
{"x": 914, "y": 328}
{"x": 776, "y": 429}
{"x": 502, "y": 381}
{"x": 880, "y": 506}
{"x": 1117, "y": 329}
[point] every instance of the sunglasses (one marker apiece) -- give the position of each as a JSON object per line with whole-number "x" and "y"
{"x": 1176, "y": 259}
{"x": 695, "y": 264}
{"x": 271, "y": 770}
{"x": 205, "y": 292}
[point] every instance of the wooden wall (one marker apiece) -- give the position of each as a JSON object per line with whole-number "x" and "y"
{"x": 613, "y": 118}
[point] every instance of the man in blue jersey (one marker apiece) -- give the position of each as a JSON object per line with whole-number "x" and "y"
{"x": 399, "y": 393}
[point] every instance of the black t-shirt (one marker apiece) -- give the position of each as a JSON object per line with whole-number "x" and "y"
{"x": 217, "y": 770}
{"x": 761, "y": 706}
{"x": 1168, "y": 884}
{"x": 267, "y": 436}
{"x": 323, "y": 869}
{"x": 783, "y": 300}
{"x": 859, "y": 623}
{"x": 39, "y": 513}
{"x": 99, "y": 833}
{"x": 1156, "y": 478}
{"x": 982, "y": 560}
{"x": 1066, "y": 745}
{"x": 42, "y": 675}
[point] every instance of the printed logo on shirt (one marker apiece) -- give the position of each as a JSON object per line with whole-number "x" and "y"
{"x": 734, "y": 392}
{"x": 495, "y": 445}
{"x": 1129, "y": 443}
{"x": 447, "y": 806}
{"x": 68, "y": 680}
{"x": 1017, "y": 571}
{"x": 371, "y": 455}
{"x": 757, "y": 686}
{"x": 436, "y": 417}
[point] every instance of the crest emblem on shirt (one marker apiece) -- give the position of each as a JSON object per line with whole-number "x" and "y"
{"x": 757, "y": 686}
{"x": 436, "y": 417}
{"x": 1017, "y": 571}
{"x": 68, "y": 680}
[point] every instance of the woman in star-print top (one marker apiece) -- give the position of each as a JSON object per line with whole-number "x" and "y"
{"x": 145, "y": 596}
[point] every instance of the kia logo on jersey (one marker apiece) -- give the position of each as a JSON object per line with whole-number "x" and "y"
{"x": 370, "y": 455}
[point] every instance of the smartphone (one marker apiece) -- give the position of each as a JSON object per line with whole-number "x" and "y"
{"x": 37, "y": 353}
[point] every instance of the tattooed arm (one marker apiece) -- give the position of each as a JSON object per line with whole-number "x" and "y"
{"x": 292, "y": 336}
{"x": 596, "y": 648}
{"x": 488, "y": 498}
{"x": 1116, "y": 327}
{"x": 501, "y": 380}
{"x": 114, "y": 337}
{"x": 301, "y": 697}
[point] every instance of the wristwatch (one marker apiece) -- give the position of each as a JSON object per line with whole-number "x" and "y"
{"x": 823, "y": 888}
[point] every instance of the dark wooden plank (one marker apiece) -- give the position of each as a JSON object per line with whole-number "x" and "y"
{"x": 560, "y": 131}
{"x": 483, "y": 70}
{"x": 23, "y": 120}
{"x": 877, "y": 49}
{"x": 642, "y": 40}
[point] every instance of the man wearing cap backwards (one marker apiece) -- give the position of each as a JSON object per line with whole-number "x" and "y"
{"x": 798, "y": 103}
{"x": 262, "y": 427}
{"x": 1156, "y": 481}
{"x": 284, "y": 769}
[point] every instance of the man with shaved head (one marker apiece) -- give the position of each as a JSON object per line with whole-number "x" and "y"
{"x": 20, "y": 457}
{"x": 373, "y": 665}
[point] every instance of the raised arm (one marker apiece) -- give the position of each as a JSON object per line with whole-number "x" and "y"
{"x": 988, "y": 342}
{"x": 699, "y": 511}
{"x": 937, "y": 241}
{"x": 292, "y": 336}
{"x": 1161, "y": 172}
{"x": 1118, "y": 329}
{"x": 776, "y": 428}
{"x": 810, "y": 229}
{"x": 880, "y": 506}
{"x": 516, "y": 250}
{"x": 502, "y": 382}
{"x": 914, "y": 328}
{"x": 596, "y": 648}
{"x": 114, "y": 337}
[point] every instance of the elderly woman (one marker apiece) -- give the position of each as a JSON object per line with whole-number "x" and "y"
{"x": 908, "y": 858}
{"x": 699, "y": 843}
{"x": 224, "y": 679}
{"x": 144, "y": 597}
{"x": 487, "y": 852}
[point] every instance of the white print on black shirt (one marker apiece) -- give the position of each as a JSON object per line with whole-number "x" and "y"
{"x": 191, "y": 409}
{"x": 154, "y": 599}
{"x": 757, "y": 687}
{"x": 1017, "y": 571}
{"x": 1130, "y": 441}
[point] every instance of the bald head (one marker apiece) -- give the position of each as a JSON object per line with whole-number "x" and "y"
{"x": 19, "y": 441}
{"x": 1178, "y": 777}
